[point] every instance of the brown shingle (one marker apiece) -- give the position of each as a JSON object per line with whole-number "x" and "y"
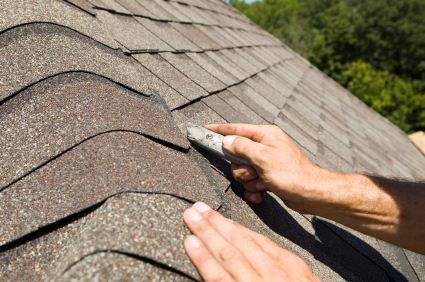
{"x": 54, "y": 115}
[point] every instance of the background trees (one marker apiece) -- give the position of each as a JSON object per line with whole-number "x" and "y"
{"x": 374, "y": 48}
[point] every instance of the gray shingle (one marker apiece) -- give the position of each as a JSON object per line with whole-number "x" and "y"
{"x": 224, "y": 110}
{"x": 240, "y": 107}
{"x": 195, "y": 72}
{"x": 168, "y": 34}
{"x": 156, "y": 10}
{"x": 39, "y": 51}
{"x": 297, "y": 133}
{"x": 167, "y": 10}
{"x": 83, "y": 5}
{"x": 268, "y": 92}
{"x": 19, "y": 12}
{"x": 131, "y": 33}
{"x": 218, "y": 71}
{"x": 54, "y": 115}
{"x": 255, "y": 101}
{"x": 224, "y": 63}
{"x": 135, "y": 7}
{"x": 81, "y": 178}
{"x": 110, "y": 5}
{"x": 171, "y": 76}
{"x": 196, "y": 36}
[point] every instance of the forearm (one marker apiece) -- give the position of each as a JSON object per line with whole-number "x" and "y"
{"x": 390, "y": 210}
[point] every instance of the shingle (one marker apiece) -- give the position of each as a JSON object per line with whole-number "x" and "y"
{"x": 220, "y": 59}
{"x": 389, "y": 257}
{"x": 81, "y": 178}
{"x": 54, "y": 115}
{"x": 219, "y": 39}
{"x": 330, "y": 160}
{"x": 239, "y": 62}
{"x": 255, "y": 101}
{"x": 152, "y": 223}
{"x": 195, "y": 72}
{"x": 228, "y": 37}
{"x": 277, "y": 83}
{"x": 417, "y": 261}
{"x": 297, "y": 133}
{"x": 258, "y": 64}
{"x": 168, "y": 34}
{"x": 39, "y": 51}
{"x": 338, "y": 147}
{"x": 135, "y": 8}
{"x": 110, "y": 5}
{"x": 156, "y": 10}
{"x": 188, "y": 11}
{"x": 196, "y": 113}
{"x": 240, "y": 107}
{"x": 268, "y": 92}
{"x": 167, "y": 10}
{"x": 113, "y": 266}
{"x": 140, "y": 225}
{"x": 131, "y": 34}
{"x": 171, "y": 76}
{"x": 83, "y": 5}
{"x": 207, "y": 63}
{"x": 19, "y": 12}
{"x": 196, "y": 36}
{"x": 224, "y": 110}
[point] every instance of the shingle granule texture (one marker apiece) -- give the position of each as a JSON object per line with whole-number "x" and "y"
{"x": 82, "y": 177}
{"x": 95, "y": 170}
{"x": 54, "y": 115}
{"x": 143, "y": 225}
{"x": 113, "y": 266}
{"x": 20, "y": 12}
{"x": 48, "y": 50}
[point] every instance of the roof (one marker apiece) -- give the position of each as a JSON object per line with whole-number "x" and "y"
{"x": 95, "y": 168}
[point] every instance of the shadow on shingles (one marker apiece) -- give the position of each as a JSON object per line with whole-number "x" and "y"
{"x": 325, "y": 246}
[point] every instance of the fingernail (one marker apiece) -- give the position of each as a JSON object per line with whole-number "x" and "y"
{"x": 193, "y": 215}
{"x": 228, "y": 140}
{"x": 201, "y": 207}
{"x": 193, "y": 242}
{"x": 260, "y": 185}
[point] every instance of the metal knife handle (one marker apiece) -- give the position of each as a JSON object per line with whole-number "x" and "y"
{"x": 213, "y": 142}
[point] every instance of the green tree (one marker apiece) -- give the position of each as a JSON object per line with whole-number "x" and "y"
{"x": 398, "y": 100}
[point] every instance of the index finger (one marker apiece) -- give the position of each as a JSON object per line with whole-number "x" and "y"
{"x": 251, "y": 131}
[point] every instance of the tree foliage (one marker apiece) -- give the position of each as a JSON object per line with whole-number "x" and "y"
{"x": 375, "y": 48}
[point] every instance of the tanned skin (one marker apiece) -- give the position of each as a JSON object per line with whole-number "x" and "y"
{"x": 223, "y": 250}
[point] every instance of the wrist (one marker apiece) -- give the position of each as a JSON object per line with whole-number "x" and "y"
{"x": 326, "y": 192}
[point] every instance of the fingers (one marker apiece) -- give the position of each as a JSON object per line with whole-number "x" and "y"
{"x": 243, "y": 173}
{"x": 254, "y": 152}
{"x": 229, "y": 257}
{"x": 253, "y": 197}
{"x": 254, "y": 132}
{"x": 208, "y": 267}
{"x": 235, "y": 234}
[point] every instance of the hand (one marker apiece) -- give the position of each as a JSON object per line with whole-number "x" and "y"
{"x": 277, "y": 163}
{"x": 223, "y": 250}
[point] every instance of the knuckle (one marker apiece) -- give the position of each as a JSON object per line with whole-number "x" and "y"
{"x": 228, "y": 254}
{"x": 262, "y": 156}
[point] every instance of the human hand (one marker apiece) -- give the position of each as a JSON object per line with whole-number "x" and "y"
{"x": 277, "y": 164}
{"x": 223, "y": 250}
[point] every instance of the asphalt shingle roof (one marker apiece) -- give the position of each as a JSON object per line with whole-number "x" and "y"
{"x": 95, "y": 170}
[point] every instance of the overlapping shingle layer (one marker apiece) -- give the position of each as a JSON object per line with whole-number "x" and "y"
{"x": 95, "y": 170}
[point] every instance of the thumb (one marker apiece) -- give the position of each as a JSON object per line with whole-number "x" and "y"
{"x": 245, "y": 148}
